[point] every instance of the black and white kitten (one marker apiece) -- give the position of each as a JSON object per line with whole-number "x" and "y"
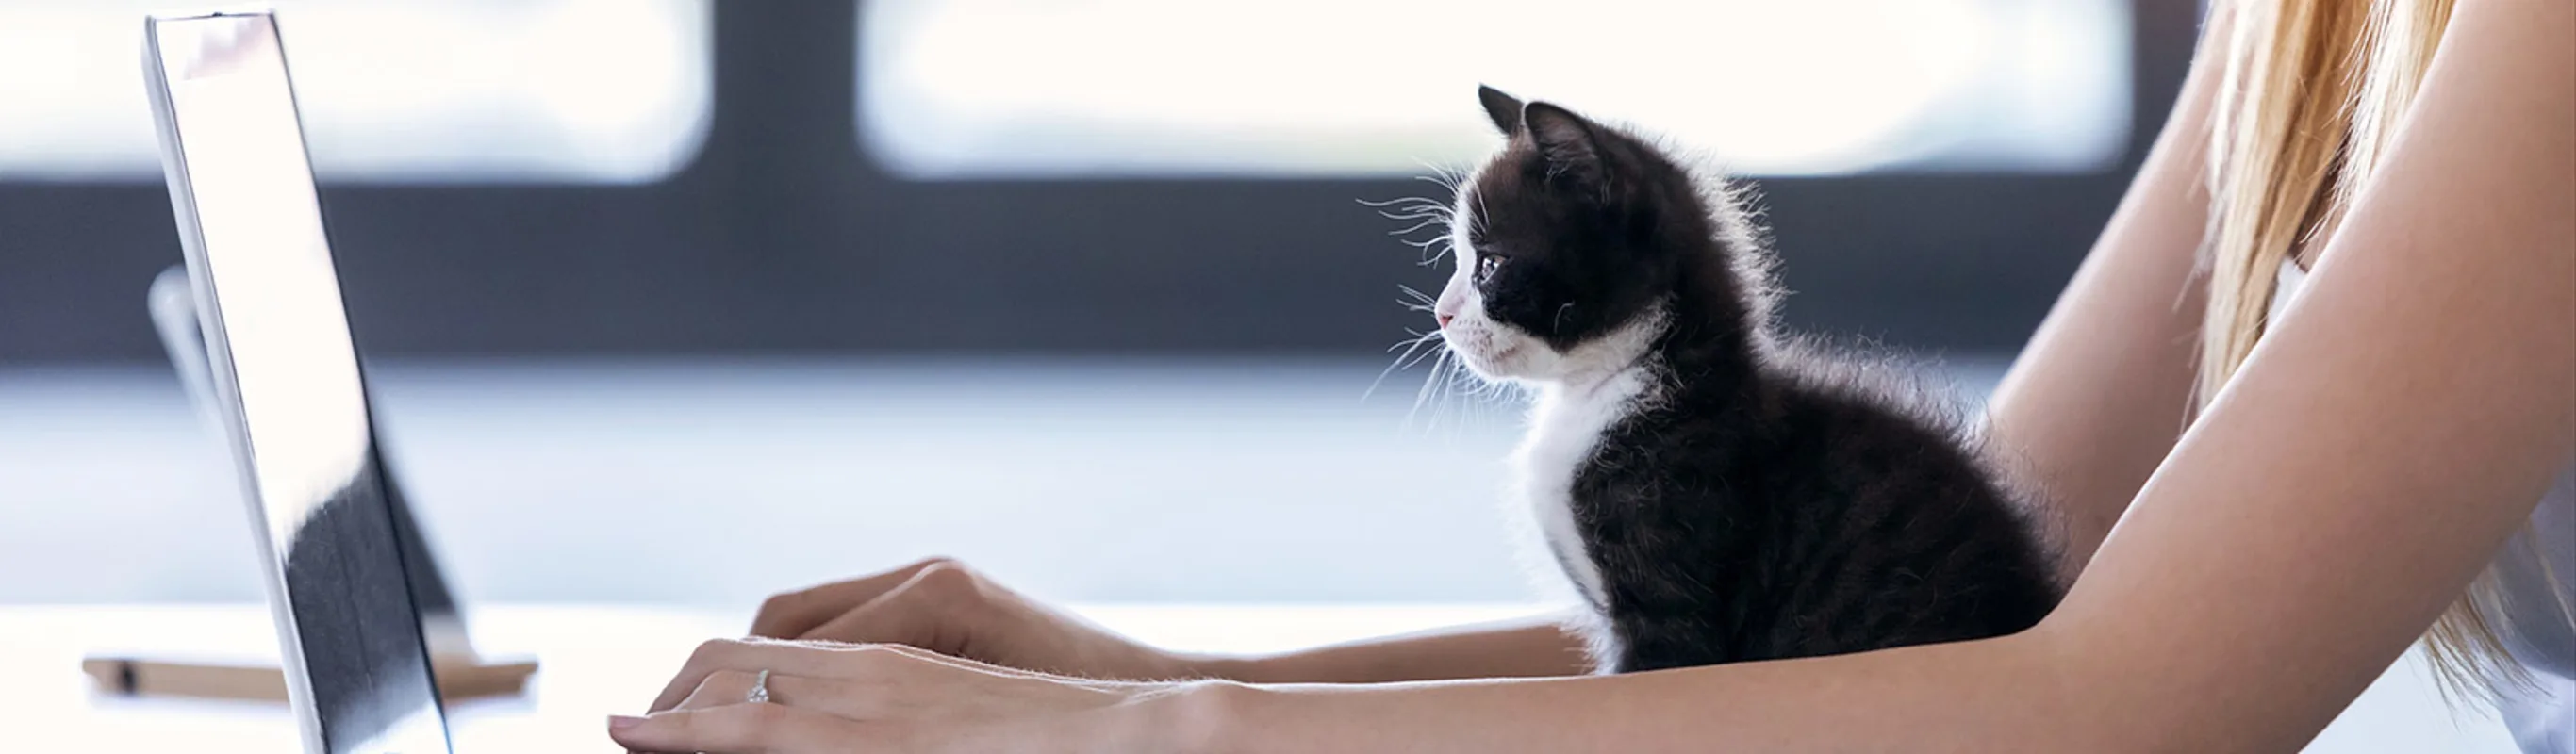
{"x": 1717, "y": 491}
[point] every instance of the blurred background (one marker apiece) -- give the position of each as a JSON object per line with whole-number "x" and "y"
{"x": 684, "y": 302}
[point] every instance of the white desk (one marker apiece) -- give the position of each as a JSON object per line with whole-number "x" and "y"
{"x": 604, "y": 660}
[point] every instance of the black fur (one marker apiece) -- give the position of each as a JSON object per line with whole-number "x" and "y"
{"x": 1764, "y": 499}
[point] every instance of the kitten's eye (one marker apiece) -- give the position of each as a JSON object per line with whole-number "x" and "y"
{"x": 1485, "y": 267}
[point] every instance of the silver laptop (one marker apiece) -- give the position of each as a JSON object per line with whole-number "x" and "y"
{"x": 287, "y": 386}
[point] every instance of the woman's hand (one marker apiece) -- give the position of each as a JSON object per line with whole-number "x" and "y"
{"x": 943, "y": 606}
{"x": 826, "y": 697}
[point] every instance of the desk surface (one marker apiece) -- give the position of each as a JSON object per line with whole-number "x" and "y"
{"x": 604, "y": 660}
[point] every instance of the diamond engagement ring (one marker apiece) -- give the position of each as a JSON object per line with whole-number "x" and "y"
{"x": 759, "y": 689}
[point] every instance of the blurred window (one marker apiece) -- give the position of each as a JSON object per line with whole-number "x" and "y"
{"x": 591, "y": 91}
{"x": 1008, "y": 88}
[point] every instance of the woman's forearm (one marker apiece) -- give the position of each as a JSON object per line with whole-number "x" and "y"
{"x": 1992, "y": 695}
{"x": 1523, "y": 648}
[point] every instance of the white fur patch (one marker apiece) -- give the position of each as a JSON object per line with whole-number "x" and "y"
{"x": 1603, "y": 382}
{"x": 1564, "y": 427}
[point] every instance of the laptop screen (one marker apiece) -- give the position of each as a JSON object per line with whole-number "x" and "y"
{"x": 286, "y": 375}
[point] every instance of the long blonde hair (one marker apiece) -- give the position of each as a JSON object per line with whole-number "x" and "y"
{"x": 2311, "y": 98}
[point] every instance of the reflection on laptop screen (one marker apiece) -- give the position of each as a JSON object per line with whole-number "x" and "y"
{"x": 294, "y": 402}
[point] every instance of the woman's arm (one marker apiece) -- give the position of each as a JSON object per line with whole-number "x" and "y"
{"x": 944, "y": 606}
{"x": 2389, "y": 432}
{"x": 2103, "y": 390}
{"x": 1516, "y": 649}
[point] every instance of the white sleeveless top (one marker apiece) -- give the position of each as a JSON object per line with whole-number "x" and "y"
{"x": 2537, "y": 630}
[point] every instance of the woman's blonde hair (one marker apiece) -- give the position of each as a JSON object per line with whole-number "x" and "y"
{"x": 2311, "y": 98}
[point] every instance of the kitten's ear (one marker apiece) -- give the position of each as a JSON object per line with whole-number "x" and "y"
{"x": 1503, "y": 108}
{"x": 1565, "y": 139}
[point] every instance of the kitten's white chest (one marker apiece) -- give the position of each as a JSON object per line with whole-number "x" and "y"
{"x": 1565, "y": 426}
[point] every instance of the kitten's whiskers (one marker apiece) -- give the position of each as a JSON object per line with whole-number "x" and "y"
{"x": 1404, "y": 360}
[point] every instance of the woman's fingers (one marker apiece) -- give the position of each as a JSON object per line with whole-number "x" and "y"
{"x": 830, "y": 697}
{"x": 792, "y": 614}
{"x": 874, "y": 664}
{"x": 751, "y": 656}
{"x": 853, "y": 698}
{"x": 725, "y": 687}
{"x": 741, "y": 729}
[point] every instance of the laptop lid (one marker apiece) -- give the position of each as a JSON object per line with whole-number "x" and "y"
{"x": 173, "y": 303}
{"x": 286, "y": 377}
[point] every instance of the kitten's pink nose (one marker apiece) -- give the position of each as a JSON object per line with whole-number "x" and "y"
{"x": 1444, "y": 320}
